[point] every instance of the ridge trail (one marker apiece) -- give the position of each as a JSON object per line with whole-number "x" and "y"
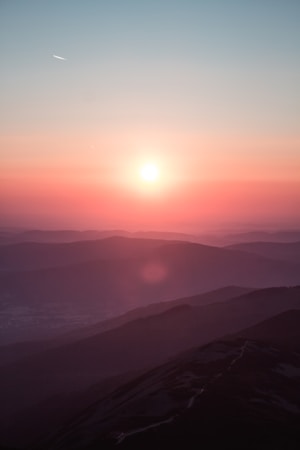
{"x": 122, "y": 435}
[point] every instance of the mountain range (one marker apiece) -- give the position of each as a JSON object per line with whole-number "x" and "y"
{"x": 61, "y": 285}
{"x": 288, "y": 251}
{"x": 149, "y": 340}
{"x": 217, "y": 237}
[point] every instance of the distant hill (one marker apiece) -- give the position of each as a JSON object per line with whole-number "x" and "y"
{"x": 216, "y": 238}
{"x": 55, "y": 236}
{"x": 216, "y": 296}
{"x": 281, "y": 251}
{"x": 20, "y": 350}
{"x": 262, "y": 236}
{"x": 283, "y": 328}
{"x": 69, "y": 236}
{"x": 33, "y": 256}
{"x": 126, "y": 274}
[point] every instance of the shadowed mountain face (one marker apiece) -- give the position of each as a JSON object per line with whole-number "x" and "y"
{"x": 230, "y": 394}
{"x": 135, "y": 345}
{"x": 283, "y": 329}
{"x": 275, "y": 250}
{"x": 20, "y": 350}
{"x": 128, "y": 273}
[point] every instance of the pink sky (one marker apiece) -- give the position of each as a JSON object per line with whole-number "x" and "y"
{"x": 94, "y": 182}
{"x": 209, "y": 91}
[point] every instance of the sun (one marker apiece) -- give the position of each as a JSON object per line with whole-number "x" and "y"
{"x": 149, "y": 172}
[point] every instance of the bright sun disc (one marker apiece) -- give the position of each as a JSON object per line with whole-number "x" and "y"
{"x": 149, "y": 172}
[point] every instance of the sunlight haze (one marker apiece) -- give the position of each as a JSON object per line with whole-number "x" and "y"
{"x": 211, "y": 86}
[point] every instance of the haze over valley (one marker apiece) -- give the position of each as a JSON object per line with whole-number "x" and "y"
{"x": 81, "y": 320}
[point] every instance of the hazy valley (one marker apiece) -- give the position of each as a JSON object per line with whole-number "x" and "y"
{"x": 85, "y": 323}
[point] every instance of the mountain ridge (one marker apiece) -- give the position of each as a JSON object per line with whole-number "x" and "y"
{"x": 148, "y": 342}
{"x": 109, "y": 287}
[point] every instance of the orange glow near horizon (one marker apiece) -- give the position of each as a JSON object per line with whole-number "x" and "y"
{"x": 185, "y": 86}
{"x": 196, "y": 180}
{"x": 105, "y": 206}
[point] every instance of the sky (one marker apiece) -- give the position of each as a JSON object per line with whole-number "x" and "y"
{"x": 208, "y": 91}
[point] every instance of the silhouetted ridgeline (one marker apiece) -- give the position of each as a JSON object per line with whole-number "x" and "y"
{"x": 120, "y": 274}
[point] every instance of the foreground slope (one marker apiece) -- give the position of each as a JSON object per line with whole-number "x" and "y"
{"x": 136, "y": 345}
{"x": 229, "y": 394}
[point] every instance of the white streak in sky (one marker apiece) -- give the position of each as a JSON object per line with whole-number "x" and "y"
{"x": 59, "y": 57}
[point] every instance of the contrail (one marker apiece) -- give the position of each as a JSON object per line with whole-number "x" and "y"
{"x": 59, "y": 57}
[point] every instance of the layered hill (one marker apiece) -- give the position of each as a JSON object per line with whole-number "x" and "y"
{"x": 42, "y": 255}
{"x": 218, "y": 238}
{"x": 283, "y": 329}
{"x": 288, "y": 251}
{"x": 71, "y": 236}
{"x": 16, "y": 351}
{"x": 126, "y": 274}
